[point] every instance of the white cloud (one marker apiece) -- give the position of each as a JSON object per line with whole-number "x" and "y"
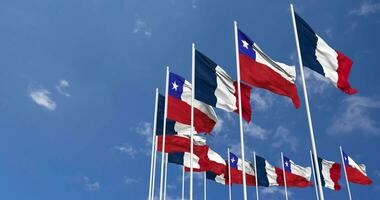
{"x": 62, "y": 84}
{"x": 283, "y": 137}
{"x": 218, "y": 126}
{"x": 274, "y": 191}
{"x": 356, "y": 115}
{"x": 142, "y": 28}
{"x": 41, "y": 97}
{"x": 194, "y": 4}
{"x": 366, "y": 8}
{"x": 130, "y": 180}
{"x": 329, "y": 33}
{"x": 91, "y": 185}
{"x": 127, "y": 149}
{"x": 316, "y": 83}
{"x": 256, "y": 131}
{"x": 262, "y": 100}
{"x": 145, "y": 129}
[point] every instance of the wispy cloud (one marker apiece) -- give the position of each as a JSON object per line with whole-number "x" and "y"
{"x": 91, "y": 185}
{"x": 130, "y": 180}
{"x": 127, "y": 149}
{"x": 42, "y": 98}
{"x": 194, "y": 4}
{"x": 218, "y": 126}
{"x": 62, "y": 85}
{"x": 262, "y": 100}
{"x": 142, "y": 28}
{"x": 145, "y": 129}
{"x": 316, "y": 83}
{"x": 275, "y": 191}
{"x": 366, "y": 8}
{"x": 355, "y": 114}
{"x": 283, "y": 137}
{"x": 256, "y": 131}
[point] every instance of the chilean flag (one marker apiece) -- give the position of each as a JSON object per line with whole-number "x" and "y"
{"x": 181, "y": 143}
{"x": 320, "y": 57}
{"x": 236, "y": 168}
{"x": 356, "y": 173}
{"x": 330, "y": 172}
{"x": 216, "y": 88}
{"x": 210, "y": 161}
{"x": 296, "y": 175}
{"x": 179, "y": 106}
{"x": 259, "y": 70}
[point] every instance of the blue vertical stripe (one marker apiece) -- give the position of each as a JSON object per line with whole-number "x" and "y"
{"x": 205, "y": 79}
{"x": 320, "y": 171}
{"x": 211, "y": 175}
{"x": 176, "y": 158}
{"x": 308, "y": 45}
{"x": 261, "y": 172}
{"x": 160, "y": 119}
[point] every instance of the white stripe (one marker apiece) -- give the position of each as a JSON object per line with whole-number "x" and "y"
{"x": 360, "y": 167}
{"x": 198, "y": 140}
{"x": 186, "y": 160}
{"x": 248, "y": 167}
{"x": 186, "y": 97}
{"x": 213, "y": 156}
{"x": 271, "y": 174}
{"x": 224, "y": 93}
{"x": 328, "y": 58}
{"x": 291, "y": 70}
{"x": 300, "y": 171}
{"x": 326, "y": 166}
{"x": 220, "y": 179}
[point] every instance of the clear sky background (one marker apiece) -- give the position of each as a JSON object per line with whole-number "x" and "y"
{"x": 77, "y": 85}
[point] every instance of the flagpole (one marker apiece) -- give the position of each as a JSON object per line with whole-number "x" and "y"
{"x": 256, "y": 179}
{"x": 229, "y": 174}
{"x": 345, "y": 172}
{"x": 240, "y": 109}
{"x": 166, "y": 174}
{"x": 192, "y": 118}
{"x": 284, "y": 174}
{"x": 315, "y": 179}
{"x": 153, "y": 145}
{"x": 154, "y": 167}
{"x": 164, "y": 132}
{"x": 204, "y": 186}
{"x": 183, "y": 182}
{"x": 314, "y": 148}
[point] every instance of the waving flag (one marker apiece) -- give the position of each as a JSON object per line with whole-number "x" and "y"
{"x": 184, "y": 158}
{"x": 181, "y": 143}
{"x": 320, "y": 57}
{"x": 216, "y": 88}
{"x": 356, "y": 173}
{"x": 217, "y": 178}
{"x": 267, "y": 175}
{"x": 296, "y": 175}
{"x": 179, "y": 106}
{"x": 211, "y": 161}
{"x": 259, "y": 70}
{"x": 236, "y": 168}
{"x": 330, "y": 172}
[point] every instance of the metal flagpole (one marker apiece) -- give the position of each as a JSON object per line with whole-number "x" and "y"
{"x": 192, "y": 118}
{"x": 240, "y": 109}
{"x": 164, "y": 132}
{"x": 256, "y": 172}
{"x": 284, "y": 174}
{"x": 183, "y": 182}
{"x": 204, "y": 186}
{"x": 315, "y": 179}
{"x": 154, "y": 166}
{"x": 313, "y": 146}
{"x": 153, "y": 144}
{"x": 345, "y": 172}
{"x": 229, "y": 174}
{"x": 166, "y": 174}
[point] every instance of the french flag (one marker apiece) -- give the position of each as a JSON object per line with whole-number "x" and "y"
{"x": 184, "y": 159}
{"x": 321, "y": 58}
{"x": 296, "y": 175}
{"x": 356, "y": 173}
{"x": 236, "y": 168}
{"x": 259, "y": 70}
{"x": 179, "y": 106}
{"x": 221, "y": 178}
{"x": 267, "y": 175}
{"x": 330, "y": 172}
{"x": 216, "y": 88}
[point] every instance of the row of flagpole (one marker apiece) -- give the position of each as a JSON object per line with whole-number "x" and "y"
{"x": 313, "y": 153}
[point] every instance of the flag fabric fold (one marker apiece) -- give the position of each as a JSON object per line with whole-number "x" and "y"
{"x": 296, "y": 175}
{"x": 216, "y": 88}
{"x": 217, "y": 178}
{"x": 236, "y": 168}
{"x": 321, "y": 58}
{"x": 259, "y": 70}
{"x": 267, "y": 175}
{"x": 330, "y": 173}
{"x": 179, "y": 106}
{"x": 356, "y": 173}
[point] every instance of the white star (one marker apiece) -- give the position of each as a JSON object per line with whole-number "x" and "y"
{"x": 245, "y": 44}
{"x": 286, "y": 164}
{"x": 232, "y": 160}
{"x": 175, "y": 86}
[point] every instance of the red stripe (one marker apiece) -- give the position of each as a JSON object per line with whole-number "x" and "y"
{"x": 181, "y": 111}
{"x": 179, "y": 144}
{"x": 292, "y": 180}
{"x": 344, "y": 68}
{"x": 245, "y": 100}
{"x": 335, "y": 175}
{"x": 262, "y": 76}
{"x": 237, "y": 177}
{"x": 355, "y": 176}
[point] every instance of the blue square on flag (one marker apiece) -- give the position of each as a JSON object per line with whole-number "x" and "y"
{"x": 175, "y": 87}
{"x": 345, "y": 158}
{"x": 287, "y": 164}
{"x": 233, "y": 161}
{"x": 246, "y": 45}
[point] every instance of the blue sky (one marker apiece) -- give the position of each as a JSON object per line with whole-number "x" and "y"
{"x": 77, "y": 88}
